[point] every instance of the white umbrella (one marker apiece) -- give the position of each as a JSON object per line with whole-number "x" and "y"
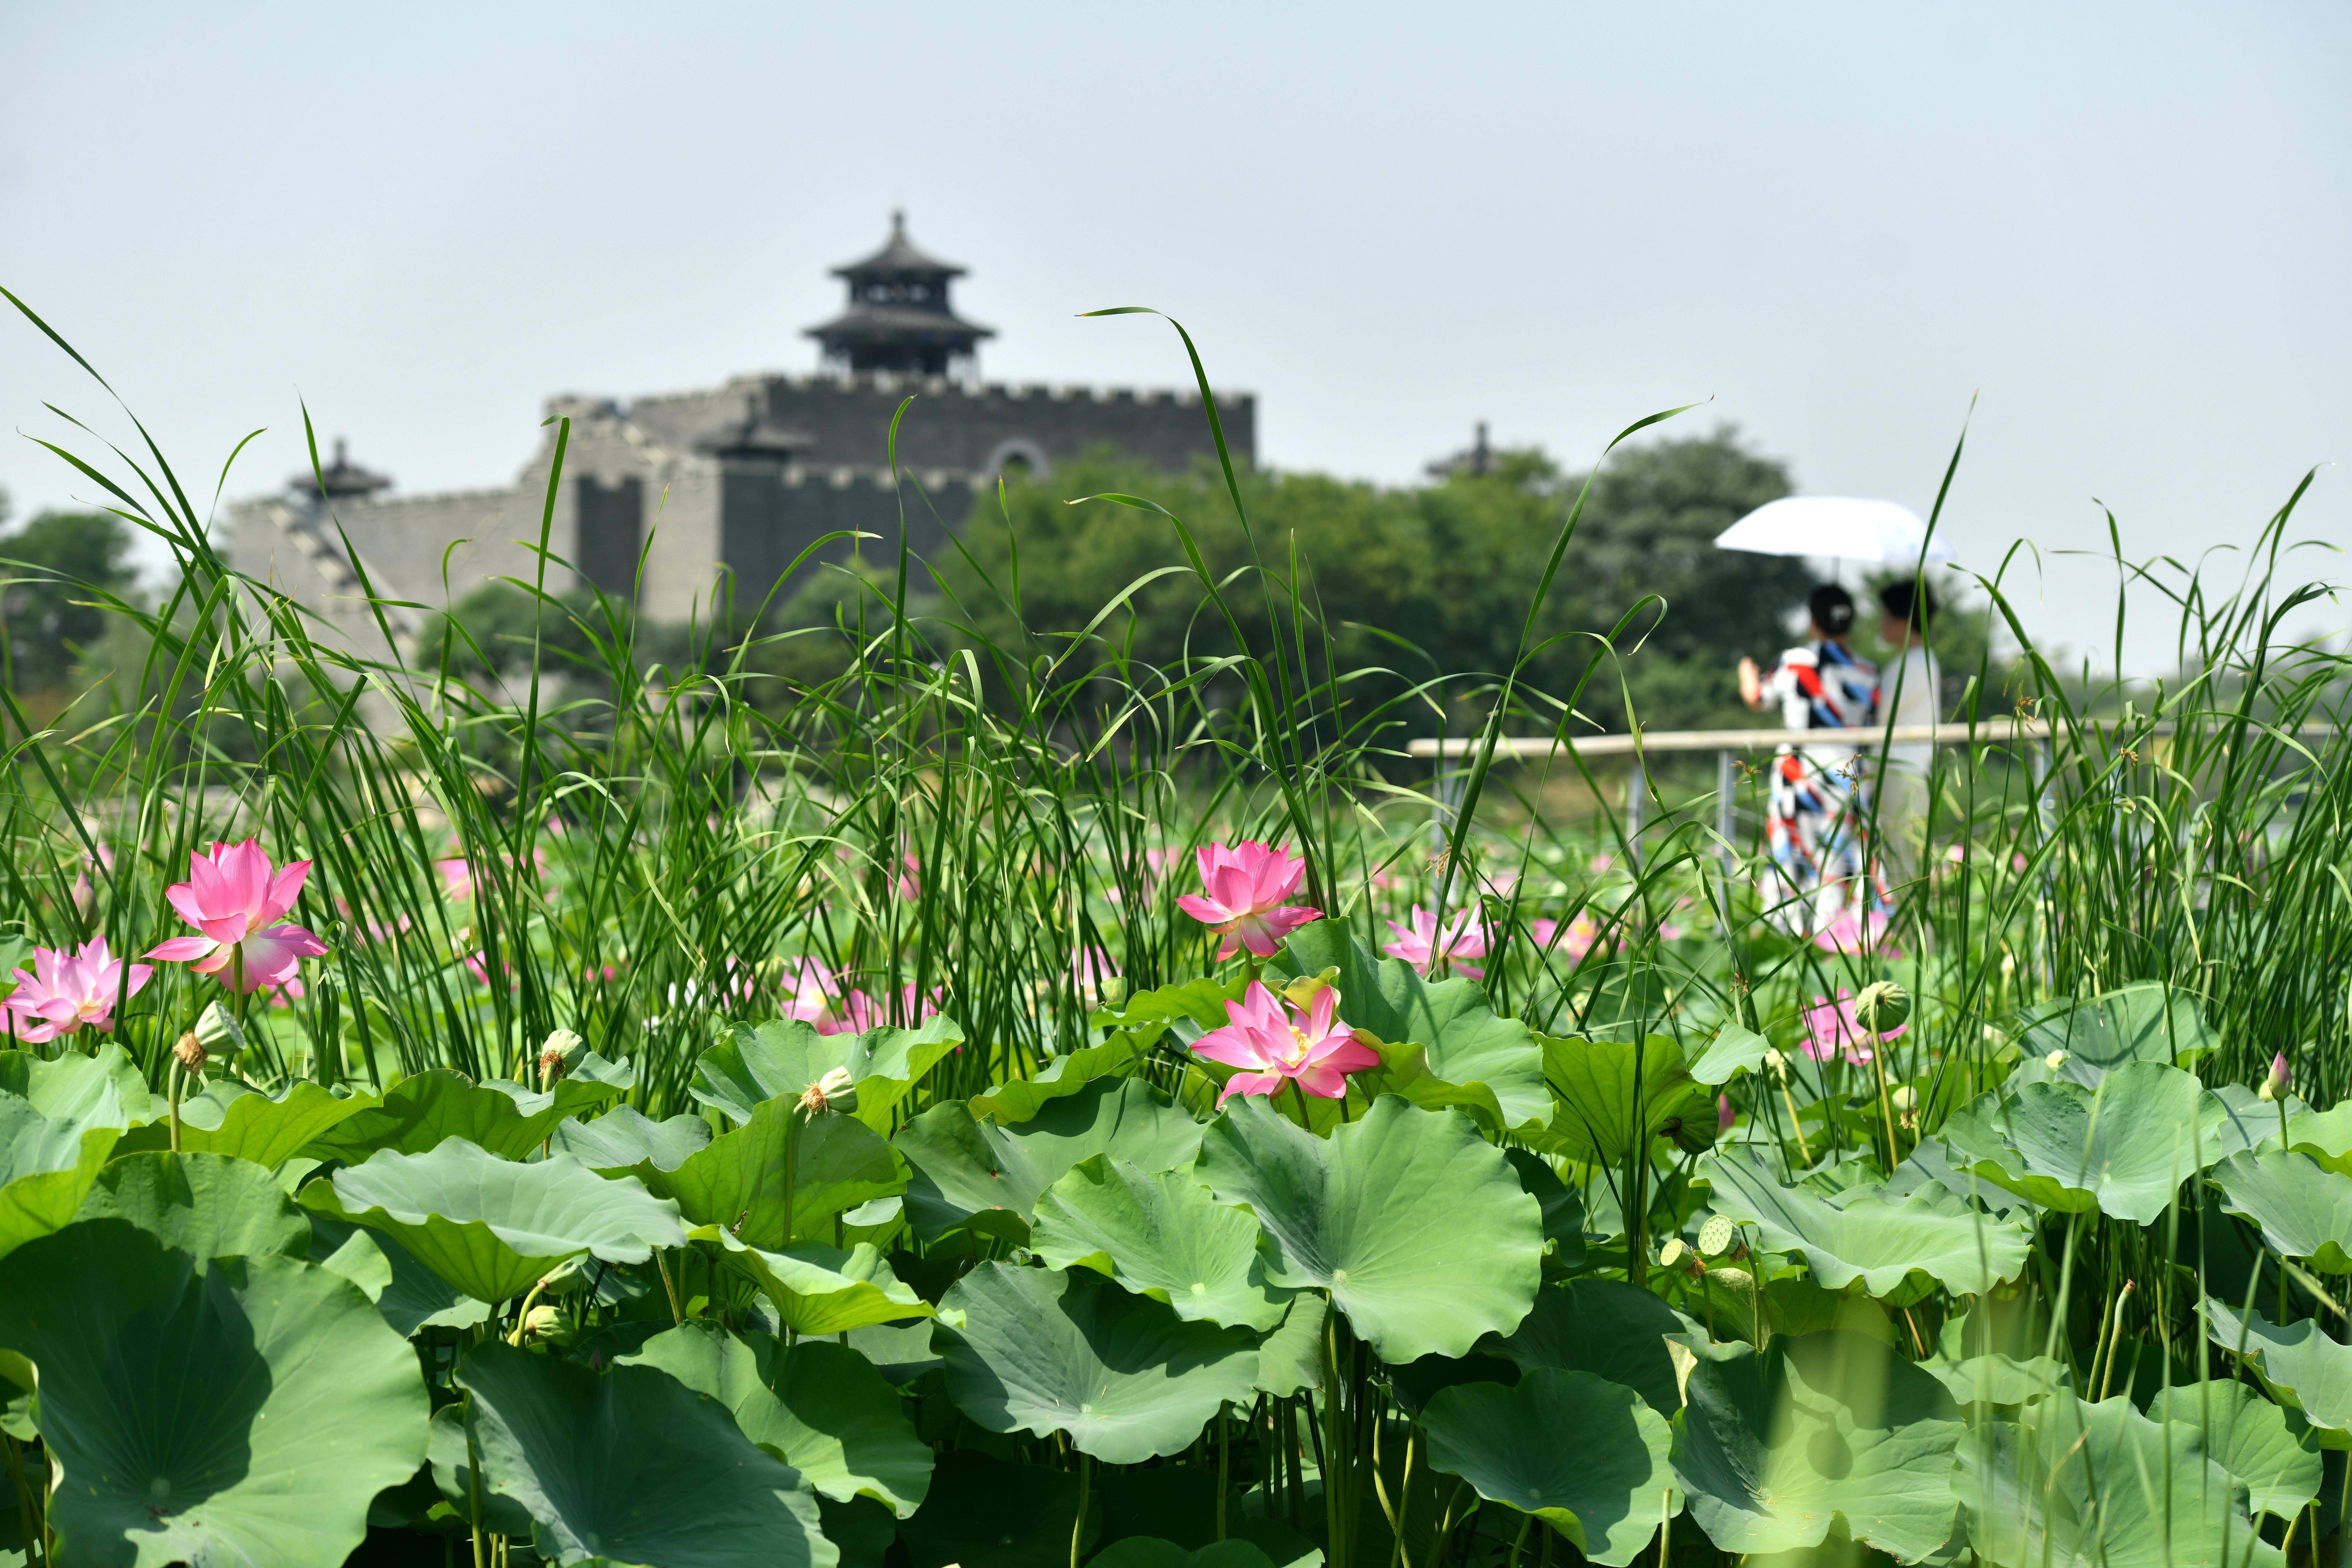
{"x": 1882, "y": 533}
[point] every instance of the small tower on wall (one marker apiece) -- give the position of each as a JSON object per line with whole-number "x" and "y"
{"x": 898, "y": 318}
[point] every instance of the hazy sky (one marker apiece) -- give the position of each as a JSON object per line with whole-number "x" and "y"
{"x": 2128, "y": 228}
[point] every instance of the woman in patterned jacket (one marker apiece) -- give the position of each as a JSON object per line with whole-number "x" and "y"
{"x": 1820, "y": 808}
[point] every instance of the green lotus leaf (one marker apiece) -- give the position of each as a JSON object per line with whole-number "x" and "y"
{"x": 1603, "y": 1086}
{"x": 1290, "y": 1359}
{"x": 1561, "y": 1205}
{"x": 490, "y": 1227}
{"x": 1899, "y": 1249}
{"x": 409, "y": 1295}
{"x": 739, "y": 1180}
{"x": 985, "y": 1514}
{"x": 206, "y": 1205}
{"x": 2304, "y": 1209}
{"x": 571, "y": 1445}
{"x": 2123, "y": 1148}
{"x": 244, "y": 1412}
{"x": 1152, "y": 1551}
{"x": 2149, "y": 1022}
{"x": 1042, "y": 1351}
{"x": 1416, "y": 1226}
{"x": 424, "y": 1109}
{"x": 820, "y": 1406}
{"x": 1468, "y": 1053}
{"x": 625, "y": 1138}
{"x": 820, "y": 1289}
{"x": 229, "y": 1117}
{"x": 1162, "y": 1235}
{"x": 1024, "y": 1098}
{"x": 1176, "y": 1504}
{"x": 2250, "y": 1437}
{"x": 1773, "y": 1447}
{"x": 102, "y": 1091}
{"x": 1605, "y": 1327}
{"x": 1995, "y": 1378}
{"x": 1734, "y": 1050}
{"x": 2302, "y": 1367}
{"x": 975, "y": 1175}
{"x": 779, "y": 1059}
{"x": 2070, "y": 1485}
{"x": 48, "y": 1165}
{"x": 2325, "y": 1135}
{"x": 452, "y": 1477}
{"x": 1608, "y": 1491}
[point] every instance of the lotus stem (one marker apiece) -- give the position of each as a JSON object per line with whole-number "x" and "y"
{"x": 1520, "y": 1540}
{"x": 1223, "y": 1469}
{"x": 1079, "y": 1530}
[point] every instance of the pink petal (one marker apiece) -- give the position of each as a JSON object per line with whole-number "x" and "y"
{"x": 1322, "y": 1081}
{"x": 1229, "y": 1045}
{"x": 1202, "y": 909}
{"x": 282, "y": 892}
{"x": 181, "y": 949}
{"x": 1250, "y": 1083}
{"x": 182, "y": 896}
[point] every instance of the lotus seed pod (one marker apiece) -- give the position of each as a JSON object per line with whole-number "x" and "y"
{"x": 1671, "y": 1253}
{"x": 1883, "y": 1007}
{"x": 540, "y": 1322}
{"x": 1714, "y": 1237}
{"x": 218, "y": 1032}
{"x": 559, "y": 1054}
{"x": 836, "y": 1091}
{"x": 1113, "y": 990}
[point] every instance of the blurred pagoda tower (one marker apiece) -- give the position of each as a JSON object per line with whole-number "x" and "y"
{"x": 898, "y": 318}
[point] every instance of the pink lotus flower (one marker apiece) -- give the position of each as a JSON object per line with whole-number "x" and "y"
{"x": 1273, "y": 1044}
{"x": 233, "y": 895}
{"x": 1851, "y": 933}
{"x": 810, "y": 999}
{"x": 1830, "y": 1026}
{"x": 1421, "y": 945}
{"x": 1576, "y": 941}
{"x": 70, "y": 991}
{"x": 1247, "y": 883}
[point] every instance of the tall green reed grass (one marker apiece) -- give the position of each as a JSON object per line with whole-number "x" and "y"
{"x": 653, "y": 848}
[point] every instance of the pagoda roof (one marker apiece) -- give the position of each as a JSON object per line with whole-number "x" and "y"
{"x": 898, "y": 258}
{"x": 864, "y": 321}
{"x": 340, "y": 479}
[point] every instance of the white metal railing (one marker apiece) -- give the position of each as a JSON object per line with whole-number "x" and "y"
{"x": 2035, "y": 734}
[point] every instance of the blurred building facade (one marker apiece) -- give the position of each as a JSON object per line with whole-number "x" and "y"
{"x": 664, "y": 496}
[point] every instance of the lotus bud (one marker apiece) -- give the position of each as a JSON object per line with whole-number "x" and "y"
{"x": 2278, "y": 1079}
{"x": 1300, "y": 992}
{"x": 1691, "y": 1134}
{"x": 1777, "y": 1064}
{"x": 1113, "y": 990}
{"x": 559, "y": 1056}
{"x": 1715, "y": 1236}
{"x": 836, "y": 1091}
{"x": 1724, "y": 1114}
{"x": 190, "y": 1052}
{"x": 2054, "y": 1060}
{"x": 1882, "y": 1008}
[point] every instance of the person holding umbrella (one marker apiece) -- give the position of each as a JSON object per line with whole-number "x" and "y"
{"x": 1817, "y": 826}
{"x": 1818, "y": 833}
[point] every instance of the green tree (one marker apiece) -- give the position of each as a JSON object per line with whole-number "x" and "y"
{"x": 1423, "y": 582}
{"x": 55, "y": 573}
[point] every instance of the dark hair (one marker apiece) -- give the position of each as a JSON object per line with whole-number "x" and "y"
{"x": 1906, "y": 600}
{"x": 1832, "y": 609}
